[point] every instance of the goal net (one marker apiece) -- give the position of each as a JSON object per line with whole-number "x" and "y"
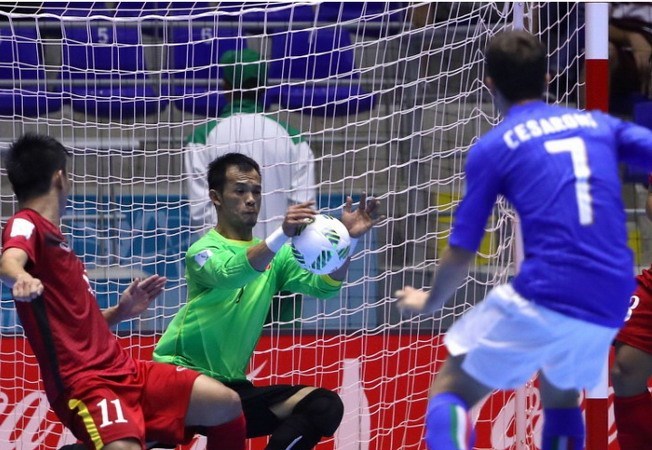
{"x": 387, "y": 97}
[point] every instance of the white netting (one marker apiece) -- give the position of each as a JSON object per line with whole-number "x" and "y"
{"x": 389, "y": 96}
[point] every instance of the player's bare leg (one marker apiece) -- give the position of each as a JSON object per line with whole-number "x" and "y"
{"x": 452, "y": 394}
{"x": 563, "y": 426}
{"x": 631, "y": 371}
{"x": 123, "y": 444}
{"x": 632, "y": 402}
{"x": 218, "y": 409}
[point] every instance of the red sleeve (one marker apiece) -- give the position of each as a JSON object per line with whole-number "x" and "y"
{"x": 21, "y": 233}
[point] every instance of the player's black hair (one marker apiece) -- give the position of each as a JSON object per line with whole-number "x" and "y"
{"x": 516, "y": 61}
{"x": 218, "y": 167}
{"x": 31, "y": 161}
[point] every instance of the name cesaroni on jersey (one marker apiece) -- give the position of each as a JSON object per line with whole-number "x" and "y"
{"x": 534, "y": 128}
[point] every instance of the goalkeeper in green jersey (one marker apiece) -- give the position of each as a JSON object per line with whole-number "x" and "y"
{"x": 232, "y": 277}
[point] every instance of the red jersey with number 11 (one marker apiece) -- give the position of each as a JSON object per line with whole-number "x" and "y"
{"x": 64, "y": 326}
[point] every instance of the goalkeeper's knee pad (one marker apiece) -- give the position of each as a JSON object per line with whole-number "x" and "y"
{"x": 323, "y": 409}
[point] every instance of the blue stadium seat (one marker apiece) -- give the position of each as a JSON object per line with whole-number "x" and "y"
{"x": 153, "y": 27}
{"x": 188, "y": 8}
{"x": 195, "y": 46}
{"x": 23, "y": 88}
{"x": 195, "y": 74}
{"x": 103, "y": 66}
{"x": 156, "y": 26}
{"x": 317, "y": 72}
{"x": 369, "y": 18}
{"x": 263, "y": 13}
{"x": 77, "y": 9}
{"x": 137, "y": 9}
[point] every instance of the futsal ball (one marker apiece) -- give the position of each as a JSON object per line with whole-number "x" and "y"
{"x": 322, "y": 245}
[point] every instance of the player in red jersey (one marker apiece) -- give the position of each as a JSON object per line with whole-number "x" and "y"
{"x": 633, "y": 365}
{"x": 105, "y": 397}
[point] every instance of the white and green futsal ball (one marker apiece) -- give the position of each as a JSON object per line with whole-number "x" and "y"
{"x": 322, "y": 245}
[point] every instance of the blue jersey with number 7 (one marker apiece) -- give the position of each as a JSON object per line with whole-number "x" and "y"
{"x": 558, "y": 167}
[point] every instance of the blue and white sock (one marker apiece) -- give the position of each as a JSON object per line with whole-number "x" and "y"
{"x": 563, "y": 429}
{"x": 448, "y": 425}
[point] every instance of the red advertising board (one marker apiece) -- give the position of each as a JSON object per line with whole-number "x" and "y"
{"x": 382, "y": 379}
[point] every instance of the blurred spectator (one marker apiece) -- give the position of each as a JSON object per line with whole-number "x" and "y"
{"x": 562, "y": 31}
{"x": 630, "y": 49}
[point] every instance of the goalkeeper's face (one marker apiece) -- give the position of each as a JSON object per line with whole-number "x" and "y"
{"x": 239, "y": 202}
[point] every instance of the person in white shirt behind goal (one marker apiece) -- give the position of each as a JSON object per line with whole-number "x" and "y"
{"x": 285, "y": 158}
{"x": 558, "y": 167}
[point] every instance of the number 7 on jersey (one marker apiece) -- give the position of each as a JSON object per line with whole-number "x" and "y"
{"x": 577, "y": 149}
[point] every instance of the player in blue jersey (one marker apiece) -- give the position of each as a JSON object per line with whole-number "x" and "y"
{"x": 558, "y": 167}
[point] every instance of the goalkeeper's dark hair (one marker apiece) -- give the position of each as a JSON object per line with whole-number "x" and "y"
{"x": 516, "y": 61}
{"x": 218, "y": 167}
{"x": 31, "y": 161}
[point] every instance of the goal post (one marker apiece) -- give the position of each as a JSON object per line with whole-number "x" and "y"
{"x": 389, "y": 97}
{"x": 597, "y": 97}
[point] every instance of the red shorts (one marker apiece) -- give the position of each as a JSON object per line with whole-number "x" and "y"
{"x": 637, "y": 331}
{"x": 100, "y": 410}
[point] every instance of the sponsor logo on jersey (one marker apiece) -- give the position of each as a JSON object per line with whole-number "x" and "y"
{"x": 202, "y": 257}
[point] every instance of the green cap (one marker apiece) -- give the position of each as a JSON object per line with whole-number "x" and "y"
{"x": 242, "y": 66}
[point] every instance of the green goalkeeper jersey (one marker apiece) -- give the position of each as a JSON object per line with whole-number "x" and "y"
{"x": 217, "y": 330}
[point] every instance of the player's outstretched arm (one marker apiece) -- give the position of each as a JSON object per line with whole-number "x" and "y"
{"x": 24, "y": 287}
{"x": 135, "y": 299}
{"x": 450, "y": 274}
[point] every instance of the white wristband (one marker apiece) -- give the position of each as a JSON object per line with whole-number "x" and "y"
{"x": 276, "y": 240}
{"x": 353, "y": 242}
